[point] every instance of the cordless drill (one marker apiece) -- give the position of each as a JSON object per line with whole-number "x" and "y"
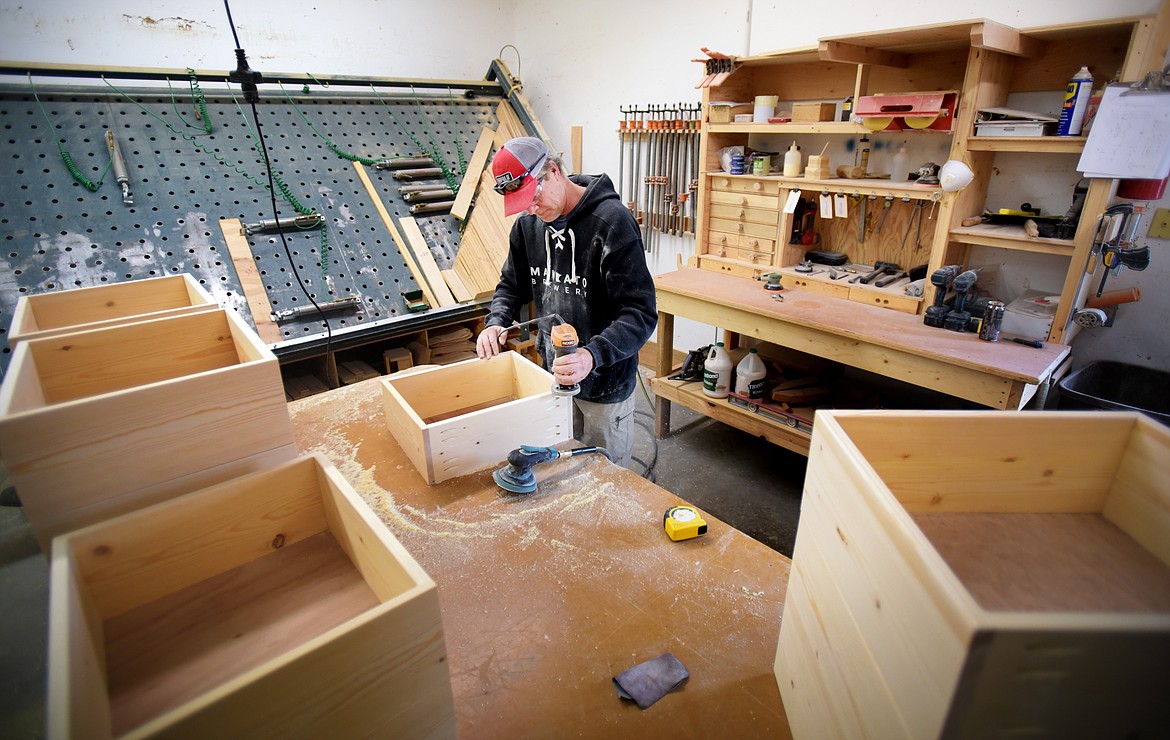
{"x": 941, "y": 280}
{"x": 564, "y": 342}
{"x": 958, "y": 319}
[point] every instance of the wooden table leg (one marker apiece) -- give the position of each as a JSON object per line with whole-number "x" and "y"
{"x": 665, "y": 363}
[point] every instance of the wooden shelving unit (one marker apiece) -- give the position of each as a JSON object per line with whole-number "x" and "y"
{"x": 986, "y": 62}
{"x": 743, "y": 229}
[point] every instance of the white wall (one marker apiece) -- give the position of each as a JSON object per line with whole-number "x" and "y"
{"x": 445, "y": 39}
{"x": 580, "y": 61}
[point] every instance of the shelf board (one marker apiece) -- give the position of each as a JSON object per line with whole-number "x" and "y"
{"x": 690, "y": 394}
{"x": 878, "y": 186}
{"x": 811, "y": 127}
{"x": 1010, "y": 237}
{"x": 1035, "y": 144}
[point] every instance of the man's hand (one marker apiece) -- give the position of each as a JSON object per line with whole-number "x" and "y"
{"x": 573, "y": 368}
{"x": 490, "y": 340}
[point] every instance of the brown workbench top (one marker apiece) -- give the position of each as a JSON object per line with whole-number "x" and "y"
{"x": 546, "y": 596}
{"x": 868, "y": 324}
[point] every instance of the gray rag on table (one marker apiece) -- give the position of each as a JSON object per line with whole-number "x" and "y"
{"x": 648, "y": 682}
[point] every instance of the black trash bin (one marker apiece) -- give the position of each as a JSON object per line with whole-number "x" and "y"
{"x": 1117, "y": 386}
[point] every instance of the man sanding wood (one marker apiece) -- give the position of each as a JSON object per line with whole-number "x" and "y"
{"x": 576, "y": 252}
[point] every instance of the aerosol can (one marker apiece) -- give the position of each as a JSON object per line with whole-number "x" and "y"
{"x": 1076, "y": 102}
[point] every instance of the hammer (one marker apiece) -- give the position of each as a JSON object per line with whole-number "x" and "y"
{"x": 879, "y": 267}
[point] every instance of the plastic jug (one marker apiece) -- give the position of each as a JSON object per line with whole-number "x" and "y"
{"x": 749, "y": 375}
{"x": 717, "y": 372}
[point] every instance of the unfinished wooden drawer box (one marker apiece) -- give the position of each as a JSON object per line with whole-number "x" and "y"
{"x": 97, "y": 423}
{"x": 461, "y": 418}
{"x": 271, "y": 605}
{"x": 50, "y": 314}
{"x": 980, "y": 574}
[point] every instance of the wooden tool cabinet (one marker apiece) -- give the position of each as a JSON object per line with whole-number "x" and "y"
{"x": 743, "y": 230}
{"x": 742, "y": 227}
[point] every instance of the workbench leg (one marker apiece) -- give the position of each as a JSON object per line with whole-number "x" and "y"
{"x": 665, "y": 364}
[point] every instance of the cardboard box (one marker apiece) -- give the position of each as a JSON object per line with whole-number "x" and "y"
{"x": 271, "y": 605}
{"x": 50, "y": 314}
{"x": 465, "y": 417}
{"x": 806, "y": 112}
{"x": 101, "y": 422}
{"x": 726, "y": 112}
{"x": 980, "y": 574}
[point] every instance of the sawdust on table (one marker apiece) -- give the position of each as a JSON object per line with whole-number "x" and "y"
{"x": 567, "y": 503}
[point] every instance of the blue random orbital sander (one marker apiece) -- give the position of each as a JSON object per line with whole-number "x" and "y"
{"x": 517, "y": 475}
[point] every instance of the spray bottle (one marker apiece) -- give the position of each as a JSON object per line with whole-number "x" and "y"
{"x": 1076, "y": 101}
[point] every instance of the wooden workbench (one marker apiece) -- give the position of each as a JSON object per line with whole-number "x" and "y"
{"x": 1001, "y": 375}
{"x": 547, "y": 596}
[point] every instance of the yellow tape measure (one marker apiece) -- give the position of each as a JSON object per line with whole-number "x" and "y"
{"x": 683, "y": 523}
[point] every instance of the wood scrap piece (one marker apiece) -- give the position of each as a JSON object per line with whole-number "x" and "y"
{"x": 455, "y": 283}
{"x": 454, "y": 357}
{"x": 800, "y": 395}
{"x": 806, "y": 381}
{"x": 397, "y": 359}
{"x": 510, "y": 126}
{"x": 355, "y": 371}
{"x": 301, "y": 386}
{"x": 245, "y": 263}
{"x": 484, "y": 245}
{"x": 420, "y": 353}
{"x": 403, "y": 250}
{"x": 576, "y": 134}
{"x": 426, "y": 261}
{"x": 475, "y": 167}
{"x": 454, "y": 335}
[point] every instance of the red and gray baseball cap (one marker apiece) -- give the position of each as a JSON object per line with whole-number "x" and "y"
{"x": 516, "y": 167}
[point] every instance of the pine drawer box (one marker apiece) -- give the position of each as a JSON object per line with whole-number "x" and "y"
{"x": 814, "y": 112}
{"x": 980, "y": 574}
{"x": 97, "y": 423}
{"x": 467, "y": 416}
{"x": 50, "y": 314}
{"x": 271, "y": 605}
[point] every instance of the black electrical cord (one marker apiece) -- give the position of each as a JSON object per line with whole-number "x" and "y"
{"x": 242, "y": 60}
{"x": 231, "y": 23}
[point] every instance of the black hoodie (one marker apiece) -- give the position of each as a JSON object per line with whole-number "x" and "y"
{"x": 598, "y": 283}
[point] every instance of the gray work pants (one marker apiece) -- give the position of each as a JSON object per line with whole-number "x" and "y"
{"x": 608, "y": 425}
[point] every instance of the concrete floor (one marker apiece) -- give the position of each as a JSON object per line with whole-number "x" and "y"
{"x": 739, "y": 479}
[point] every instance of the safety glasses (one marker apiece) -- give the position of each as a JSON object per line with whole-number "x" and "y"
{"x": 512, "y": 186}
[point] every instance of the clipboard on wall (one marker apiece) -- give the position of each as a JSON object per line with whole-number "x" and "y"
{"x": 1130, "y": 138}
